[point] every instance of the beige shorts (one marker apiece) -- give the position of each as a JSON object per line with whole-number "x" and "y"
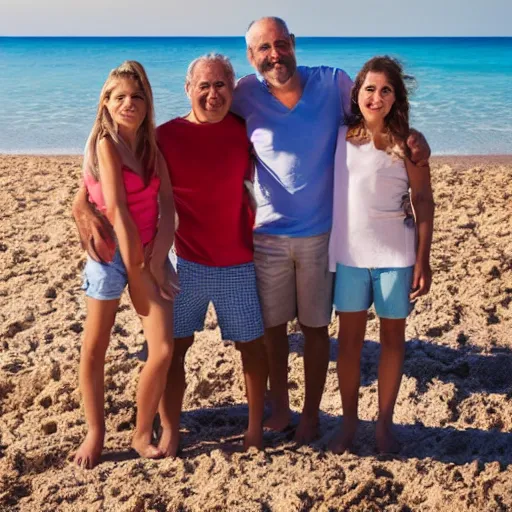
{"x": 293, "y": 279}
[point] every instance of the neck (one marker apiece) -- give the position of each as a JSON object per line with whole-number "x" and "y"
{"x": 375, "y": 128}
{"x": 129, "y": 137}
{"x": 191, "y": 117}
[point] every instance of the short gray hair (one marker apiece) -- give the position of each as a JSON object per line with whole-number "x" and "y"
{"x": 275, "y": 19}
{"x": 212, "y": 57}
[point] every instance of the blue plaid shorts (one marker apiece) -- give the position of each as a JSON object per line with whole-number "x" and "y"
{"x": 233, "y": 292}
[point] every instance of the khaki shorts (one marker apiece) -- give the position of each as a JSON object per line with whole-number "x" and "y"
{"x": 293, "y": 279}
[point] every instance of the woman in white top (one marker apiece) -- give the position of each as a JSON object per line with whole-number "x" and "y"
{"x": 377, "y": 252}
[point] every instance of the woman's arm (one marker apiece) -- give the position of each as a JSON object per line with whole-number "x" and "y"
{"x": 130, "y": 245}
{"x": 159, "y": 258}
{"x": 423, "y": 204}
{"x": 95, "y": 232}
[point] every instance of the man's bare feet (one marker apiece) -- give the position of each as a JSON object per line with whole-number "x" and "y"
{"x": 253, "y": 440}
{"x": 342, "y": 440}
{"x": 88, "y": 455}
{"x": 141, "y": 443}
{"x": 385, "y": 439}
{"x": 307, "y": 430}
{"x": 169, "y": 443}
{"x": 278, "y": 420}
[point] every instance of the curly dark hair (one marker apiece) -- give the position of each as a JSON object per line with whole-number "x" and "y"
{"x": 397, "y": 121}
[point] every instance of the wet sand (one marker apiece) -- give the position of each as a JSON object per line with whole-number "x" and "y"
{"x": 454, "y": 410}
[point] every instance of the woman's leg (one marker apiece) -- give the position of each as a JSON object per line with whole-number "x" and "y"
{"x": 101, "y": 315}
{"x": 158, "y": 330}
{"x": 172, "y": 399}
{"x": 352, "y": 327}
{"x": 392, "y": 340}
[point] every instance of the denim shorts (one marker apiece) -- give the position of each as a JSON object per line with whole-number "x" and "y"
{"x": 356, "y": 289}
{"x": 105, "y": 281}
{"x": 232, "y": 290}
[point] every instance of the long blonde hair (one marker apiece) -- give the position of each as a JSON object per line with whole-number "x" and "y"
{"x": 145, "y": 148}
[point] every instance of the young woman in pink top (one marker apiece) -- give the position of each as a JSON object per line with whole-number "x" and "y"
{"x": 127, "y": 180}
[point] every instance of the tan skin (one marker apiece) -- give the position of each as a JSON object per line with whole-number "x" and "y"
{"x": 271, "y": 51}
{"x": 375, "y": 100}
{"x": 148, "y": 286}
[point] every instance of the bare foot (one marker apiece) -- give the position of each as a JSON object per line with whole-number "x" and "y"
{"x": 342, "y": 440}
{"x": 386, "y": 441}
{"x": 253, "y": 440}
{"x": 141, "y": 443}
{"x": 278, "y": 420}
{"x": 169, "y": 443}
{"x": 89, "y": 452}
{"x": 307, "y": 430}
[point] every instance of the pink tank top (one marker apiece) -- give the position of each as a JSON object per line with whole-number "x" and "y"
{"x": 142, "y": 201}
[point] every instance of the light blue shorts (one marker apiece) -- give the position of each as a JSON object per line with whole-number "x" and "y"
{"x": 233, "y": 293}
{"x": 355, "y": 289}
{"x": 105, "y": 281}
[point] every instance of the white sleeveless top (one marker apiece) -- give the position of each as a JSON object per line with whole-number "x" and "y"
{"x": 368, "y": 228}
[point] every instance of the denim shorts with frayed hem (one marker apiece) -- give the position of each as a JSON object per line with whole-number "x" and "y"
{"x": 355, "y": 289}
{"x": 105, "y": 281}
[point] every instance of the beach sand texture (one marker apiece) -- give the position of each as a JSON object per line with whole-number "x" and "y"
{"x": 454, "y": 409}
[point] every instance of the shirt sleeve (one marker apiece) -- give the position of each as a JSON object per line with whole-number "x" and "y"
{"x": 345, "y": 86}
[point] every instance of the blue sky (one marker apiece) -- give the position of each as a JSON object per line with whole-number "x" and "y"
{"x": 230, "y": 17}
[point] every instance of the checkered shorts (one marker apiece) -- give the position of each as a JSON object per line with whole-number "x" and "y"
{"x": 233, "y": 292}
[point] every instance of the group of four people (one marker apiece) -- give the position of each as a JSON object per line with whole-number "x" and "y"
{"x": 258, "y": 174}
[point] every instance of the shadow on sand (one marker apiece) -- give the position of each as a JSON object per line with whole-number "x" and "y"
{"x": 222, "y": 427}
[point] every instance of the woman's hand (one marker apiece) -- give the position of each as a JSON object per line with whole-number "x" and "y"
{"x": 166, "y": 278}
{"x": 421, "y": 281}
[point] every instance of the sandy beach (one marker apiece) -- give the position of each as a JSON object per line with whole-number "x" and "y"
{"x": 454, "y": 410}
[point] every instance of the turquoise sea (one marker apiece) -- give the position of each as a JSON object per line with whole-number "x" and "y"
{"x": 49, "y": 86}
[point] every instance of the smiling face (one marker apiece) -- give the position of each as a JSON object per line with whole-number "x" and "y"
{"x": 376, "y": 97}
{"x": 210, "y": 92}
{"x": 271, "y": 51}
{"x": 127, "y": 105}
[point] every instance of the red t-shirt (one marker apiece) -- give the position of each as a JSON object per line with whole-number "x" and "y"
{"x": 208, "y": 164}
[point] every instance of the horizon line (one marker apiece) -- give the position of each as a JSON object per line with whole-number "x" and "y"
{"x": 21, "y": 36}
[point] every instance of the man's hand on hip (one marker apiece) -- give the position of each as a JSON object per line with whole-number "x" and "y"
{"x": 95, "y": 232}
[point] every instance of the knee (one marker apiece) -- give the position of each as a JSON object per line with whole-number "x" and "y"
{"x": 349, "y": 344}
{"x": 163, "y": 354}
{"x": 393, "y": 342}
{"x": 94, "y": 348}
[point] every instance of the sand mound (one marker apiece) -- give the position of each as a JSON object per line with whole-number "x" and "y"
{"x": 454, "y": 409}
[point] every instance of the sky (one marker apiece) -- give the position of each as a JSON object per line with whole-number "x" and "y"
{"x": 363, "y": 18}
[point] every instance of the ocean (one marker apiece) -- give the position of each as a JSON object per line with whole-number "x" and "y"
{"x": 50, "y": 86}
